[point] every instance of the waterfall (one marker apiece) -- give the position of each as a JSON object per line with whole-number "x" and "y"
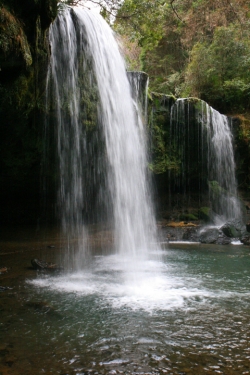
{"x": 223, "y": 186}
{"x": 204, "y": 143}
{"x": 139, "y": 86}
{"x": 102, "y": 158}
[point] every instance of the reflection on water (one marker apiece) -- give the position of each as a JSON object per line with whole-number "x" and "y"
{"x": 188, "y": 313}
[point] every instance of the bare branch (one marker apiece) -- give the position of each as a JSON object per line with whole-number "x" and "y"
{"x": 175, "y": 12}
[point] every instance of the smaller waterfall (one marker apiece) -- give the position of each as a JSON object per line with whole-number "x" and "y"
{"x": 139, "y": 91}
{"x": 223, "y": 186}
{"x": 203, "y": 142}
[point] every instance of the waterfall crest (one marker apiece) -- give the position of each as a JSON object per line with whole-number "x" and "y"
{"x": 84, "y": 53}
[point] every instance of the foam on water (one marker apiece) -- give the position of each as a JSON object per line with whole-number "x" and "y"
{"x": 155, "y": 285}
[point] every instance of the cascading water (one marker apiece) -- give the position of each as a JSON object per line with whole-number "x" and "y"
{"x": 204, "y": 143}
{"x": 222, "y": 167}
{"x": 84, "y": 53}
{"x": 139, "y": 90}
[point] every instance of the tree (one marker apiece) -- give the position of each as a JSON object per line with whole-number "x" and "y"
{"x": 218, "y": 72}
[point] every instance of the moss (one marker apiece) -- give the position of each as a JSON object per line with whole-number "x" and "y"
{"x": 193, "y": 100}
{"x": 215, "y": 188}
{"x": 12, "y": 38}
{"x": 188, "y": 217}
{"x": 164, "y": 155}
{"x": 244, "y": 132}
{"x": 161, "y": 101}
{"x": 204, "y": 213}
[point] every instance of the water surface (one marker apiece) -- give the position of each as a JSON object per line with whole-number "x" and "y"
{"x": 186, "y": 312}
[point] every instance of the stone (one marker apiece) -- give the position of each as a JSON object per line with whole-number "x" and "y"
{"x": 191, "y": 234}
{"x": 209, "y": 235}
{"x": 248, "y": 227}
{"x": 233, "y": 229}
{"x": 246, "y": 239}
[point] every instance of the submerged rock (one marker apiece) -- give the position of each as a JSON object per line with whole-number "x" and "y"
{"x": 38, "y": 264}
{"x": 4, "y": 288}
{"x": 43, "y": 307}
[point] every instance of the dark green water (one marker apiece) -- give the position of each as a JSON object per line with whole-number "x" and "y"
{"x": 185, "y": 311}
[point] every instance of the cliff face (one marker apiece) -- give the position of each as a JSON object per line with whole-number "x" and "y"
{"x": 22, "y": 26}
{"x": 23, "y": 59}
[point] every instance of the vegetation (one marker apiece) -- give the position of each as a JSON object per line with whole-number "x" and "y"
{"x": 195, "y": 48}
{"x": 191, "y": 48}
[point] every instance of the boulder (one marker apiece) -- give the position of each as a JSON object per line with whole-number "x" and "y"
{"x": 213, "y": 236}
{"x": 191, "y": 234}
{"x": 248, "y": 227}
{"x": 233, "y": 229}
{"x": 246, "y": 239}
{"x": 209, "y": 235}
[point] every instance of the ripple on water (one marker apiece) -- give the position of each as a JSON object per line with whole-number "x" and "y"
{"x": 165, "y": 318}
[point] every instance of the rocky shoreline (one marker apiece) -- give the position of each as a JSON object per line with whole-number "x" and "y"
{"x": 230, "y": 232}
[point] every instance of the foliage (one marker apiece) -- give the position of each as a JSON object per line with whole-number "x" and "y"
{"x": 218, "y": 71}
{"x": 243, "y": 151}
{"x": 192, "y": 47}
{"x": 165, "y": 156}
{"x": 204, "y": 213}
{"x": 13, "y": 38}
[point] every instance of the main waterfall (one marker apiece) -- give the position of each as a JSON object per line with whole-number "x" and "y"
{"x": 102, "y": 153}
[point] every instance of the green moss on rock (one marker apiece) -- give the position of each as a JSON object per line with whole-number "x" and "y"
{"x": 204, "y": 213}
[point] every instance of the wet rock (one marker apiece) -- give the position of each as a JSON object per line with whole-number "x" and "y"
{"x": 233, "y": 229}
{"x": 4, "y": 288}
{"x": 39, "y": 264}
{"x": 246, "y": 239}
{"x": 209, "y": 235}
{"x": 10, "y": 360}
{"x": 223, "y": 239}
{"x": 214, "y": 236}
{"x": 43, "y": 307}
{"x": 191, "y": 234}
{"x": 248, "y": 227}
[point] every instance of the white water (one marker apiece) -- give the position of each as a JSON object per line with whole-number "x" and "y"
{"x": 221, "y": 166}
{"x": 125, "y": 140}
{"x": 79, "y": 38}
